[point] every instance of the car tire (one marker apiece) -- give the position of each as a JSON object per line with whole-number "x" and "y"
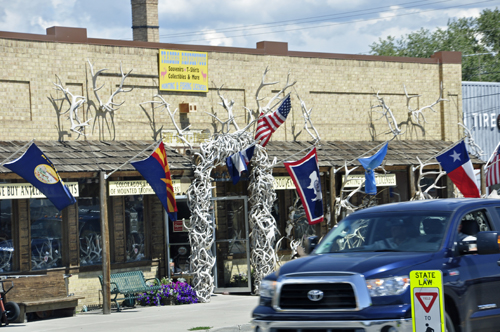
{"x": 13, "y": 311}
{"x": 449, "y": 327}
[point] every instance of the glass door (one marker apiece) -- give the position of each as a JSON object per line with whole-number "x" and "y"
{"x": 232, "y": 249}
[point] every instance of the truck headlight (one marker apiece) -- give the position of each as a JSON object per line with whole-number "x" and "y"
{"x": 387, "y": 286}
{"x": 267, "y": 288}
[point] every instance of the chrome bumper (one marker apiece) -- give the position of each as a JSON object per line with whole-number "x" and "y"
{"x": 401, "y": 325}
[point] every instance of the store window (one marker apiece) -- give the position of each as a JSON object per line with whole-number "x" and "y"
{"x": 6, "y": 243}
{"x": 134, "y": 224}
{"x": 46, "y": 231}
{"x": 89, "y": 223}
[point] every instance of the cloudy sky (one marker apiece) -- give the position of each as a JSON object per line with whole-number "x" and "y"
{"x": 333, "y": 26}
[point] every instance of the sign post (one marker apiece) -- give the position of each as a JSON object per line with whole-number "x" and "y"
{"x": 427, "y": 301}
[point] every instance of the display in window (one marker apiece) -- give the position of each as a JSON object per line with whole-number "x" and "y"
{"x": 134, "y": 218}
{"x": 89, "y": 223}
{"x": 46, "y": 230}
{"x": 6, "y": 245}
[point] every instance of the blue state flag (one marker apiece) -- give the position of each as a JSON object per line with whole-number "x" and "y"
{"x": 37, "y": 169}
{"x": 369, "y": 164}
{"x": 305, "y": 176}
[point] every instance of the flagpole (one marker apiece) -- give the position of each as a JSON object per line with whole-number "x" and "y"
{"x": 491, "y": 157}
{"x": 29, "y": 143}
{"x": 128, "y": 161}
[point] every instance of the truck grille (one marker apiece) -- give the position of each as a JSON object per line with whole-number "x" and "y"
{"x": 337, "y": 296}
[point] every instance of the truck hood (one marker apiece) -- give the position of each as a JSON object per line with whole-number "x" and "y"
{"x": 370, "y": 264}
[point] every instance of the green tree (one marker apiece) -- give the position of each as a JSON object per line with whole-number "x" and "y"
{"x": 477, "y": 38}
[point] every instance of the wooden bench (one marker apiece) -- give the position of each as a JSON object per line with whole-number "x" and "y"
{"x": 130, "y": 284}
{"x": 42, "y": 294}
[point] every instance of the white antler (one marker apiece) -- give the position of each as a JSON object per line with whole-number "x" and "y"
{"x": 110, "y": 106}
{"x": 307, "y": 121}
{"x": 424, "y": 194}
{"x": 166, "y": 106}
{"x": 389, "y": 116}
{"x": 416, "y": 113}
{"x": 75, "y": 102}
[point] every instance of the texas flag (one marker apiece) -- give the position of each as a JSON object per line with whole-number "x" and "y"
{"x": 456, "y": 162}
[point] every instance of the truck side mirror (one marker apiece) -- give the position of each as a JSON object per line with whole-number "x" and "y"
{"x": 488, "y": 243}
{"x": 311, "y": 243}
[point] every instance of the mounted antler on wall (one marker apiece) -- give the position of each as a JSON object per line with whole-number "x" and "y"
{"x": 424, "y": 194}
{"x": 75, "y": 102}
{"x": 109, "y": 106}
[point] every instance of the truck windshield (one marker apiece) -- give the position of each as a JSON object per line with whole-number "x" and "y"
{"x": 394, "y": 231}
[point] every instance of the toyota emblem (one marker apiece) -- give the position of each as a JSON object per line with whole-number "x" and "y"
{"x": 315, "y": 295}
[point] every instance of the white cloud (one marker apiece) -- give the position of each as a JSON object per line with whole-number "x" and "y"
{"x": 217, "y": 39}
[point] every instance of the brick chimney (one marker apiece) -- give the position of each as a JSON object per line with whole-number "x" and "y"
{"x": 145, "y": 20}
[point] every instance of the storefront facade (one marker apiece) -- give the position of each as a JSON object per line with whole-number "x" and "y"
{"x": 339, "y": 87}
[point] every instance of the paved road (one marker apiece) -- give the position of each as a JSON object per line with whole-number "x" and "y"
{"x": 224, "y": 313}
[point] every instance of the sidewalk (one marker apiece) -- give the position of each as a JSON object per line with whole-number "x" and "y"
{"x": 224, "y": 313}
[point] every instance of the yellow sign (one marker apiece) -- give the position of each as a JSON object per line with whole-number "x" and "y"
{"x": 283, "y": 182}
{"x": 427, "y": 300}
{"x": 137, "y": 187}
{"x": 26, "y": 190}
{"x": 184, "y": 71}
{"x": 382, "y": 180}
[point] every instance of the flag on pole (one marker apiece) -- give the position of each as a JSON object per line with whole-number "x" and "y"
{"x": 157, "y": 173}
{"x": 369, "y": 164}
{"x": 493, "y": 169}
{"x": 457, "y": 165}
{"x": 238, "y": 163}
{"x": 268, "y": 124}
{"x": 37, "y": 169}
{"x": 305, "y": 176}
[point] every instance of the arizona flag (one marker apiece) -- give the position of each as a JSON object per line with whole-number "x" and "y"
{"x": 37, "y": 169}
{"x": 156, "y": 172}
{"x": 238, "y": 163}
{"x": 305, "y": 176}
{"x": 456, "y": 162}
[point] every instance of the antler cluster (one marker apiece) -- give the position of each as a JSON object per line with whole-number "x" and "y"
{"x": 109, "y": 106}
{"x": 75, "y": 102}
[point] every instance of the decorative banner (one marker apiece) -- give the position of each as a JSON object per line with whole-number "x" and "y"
{"x": 184, "y": 71}
{"x": 27, "y": 191}
{"x": 305, "y": 175}
{"x": 37, "y": 169}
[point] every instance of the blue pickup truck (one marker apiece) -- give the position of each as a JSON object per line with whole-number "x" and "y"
{"x": 357, "y": 277}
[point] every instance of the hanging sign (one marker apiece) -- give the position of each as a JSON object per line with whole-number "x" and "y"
{"x": 137, "y": 187}
{"x": 27, "y": 191}
{"x": 382, "y": 180}
{"x": 427, "y": 304}
{"x": 184, "y": 71}
{"x": 283, "y": 182}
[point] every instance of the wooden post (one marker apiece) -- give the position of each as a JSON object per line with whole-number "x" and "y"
{"x": 106, "y": 267}
{"x": 411, "y": 181}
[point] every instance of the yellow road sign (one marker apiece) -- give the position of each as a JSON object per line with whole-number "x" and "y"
{"x": 427, "y": 301}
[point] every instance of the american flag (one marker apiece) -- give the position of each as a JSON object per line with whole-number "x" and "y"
{"x": 493, "y": 170}
{"x": 268, "y": 124}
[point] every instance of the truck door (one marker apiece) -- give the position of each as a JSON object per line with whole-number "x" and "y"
{"x": 480, "y": 275}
